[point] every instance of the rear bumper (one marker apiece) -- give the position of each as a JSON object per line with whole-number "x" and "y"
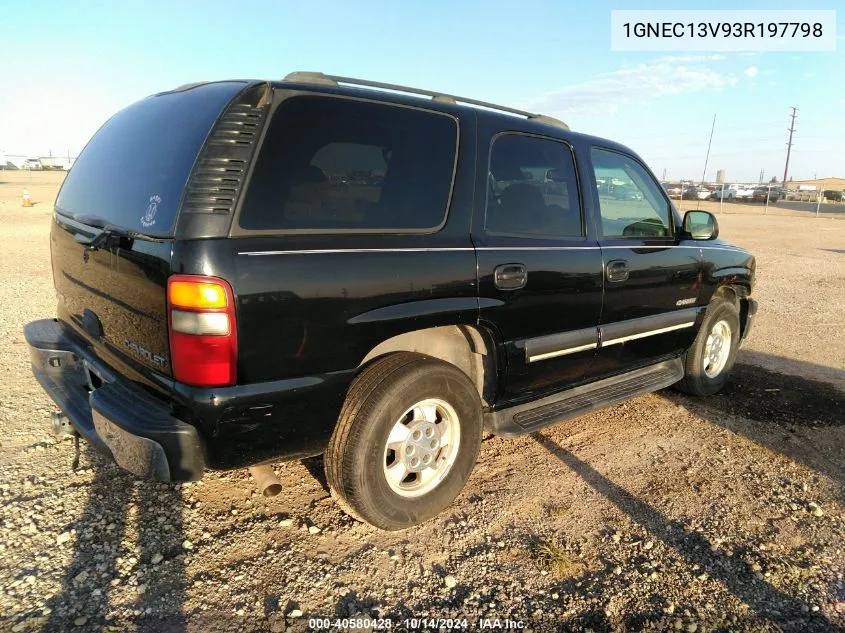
{"x": 112, "y": 413}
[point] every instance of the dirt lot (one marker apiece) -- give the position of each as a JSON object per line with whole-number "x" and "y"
{"x": 662, "y": 513}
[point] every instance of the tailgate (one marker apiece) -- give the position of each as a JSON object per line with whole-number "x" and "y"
{"x": 114, "y": 296}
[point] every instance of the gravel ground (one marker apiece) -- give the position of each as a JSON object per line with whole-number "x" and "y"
{"x": 662, "y": 513}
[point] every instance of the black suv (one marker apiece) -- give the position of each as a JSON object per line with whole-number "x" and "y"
{"x": 254, "y": 271}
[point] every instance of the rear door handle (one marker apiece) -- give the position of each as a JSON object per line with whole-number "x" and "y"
{"x": 510, "y": 276}
{"x": 616, "y": 270}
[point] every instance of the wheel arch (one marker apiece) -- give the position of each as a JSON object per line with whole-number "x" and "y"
{"x": 730, "y": 292}
{"x": 738, "y": 295}
{"x": 469, "y": 348}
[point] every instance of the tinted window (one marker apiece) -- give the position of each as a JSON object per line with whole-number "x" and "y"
{"x": 338, "y": 164}
{"x": 532, "y": 188}
{"x": 133, "y": 171}
{"x": 632, "y": 204}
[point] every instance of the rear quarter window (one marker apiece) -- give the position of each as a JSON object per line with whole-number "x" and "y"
{"x": 331, "y": 164}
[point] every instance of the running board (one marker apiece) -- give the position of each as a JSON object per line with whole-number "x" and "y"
{"x": 527, "y": 418}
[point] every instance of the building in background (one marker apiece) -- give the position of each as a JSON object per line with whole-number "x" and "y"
{"x": 37, "y": 163}
{"x": 819, "y": 184}
{"x": 47, "y": 163}
{"x": 720, "y": 177}
{"x": 56, "y": 162}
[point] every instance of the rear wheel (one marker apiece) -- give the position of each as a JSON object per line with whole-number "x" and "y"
{"x": 405, "y": 442}
{"x": 709, "y": 361}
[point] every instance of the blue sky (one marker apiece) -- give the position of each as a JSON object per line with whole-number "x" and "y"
{"x": 68, "y": 66}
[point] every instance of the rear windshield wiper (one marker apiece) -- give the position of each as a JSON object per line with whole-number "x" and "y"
{"x": 108, "y": 233}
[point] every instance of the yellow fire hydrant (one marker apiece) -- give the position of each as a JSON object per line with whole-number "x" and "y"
{"x": 26, "y": 201}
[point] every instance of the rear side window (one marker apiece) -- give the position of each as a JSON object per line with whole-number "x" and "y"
{"x": 533, "y": 191}
{"x": 330, "y": 164}
{"x": 132, "y": 173}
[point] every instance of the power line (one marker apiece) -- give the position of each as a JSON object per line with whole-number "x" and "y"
{"x": 709, "y": 143}
{"x": 789, "y": 144}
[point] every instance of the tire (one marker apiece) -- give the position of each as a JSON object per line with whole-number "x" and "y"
{"x": 383, "y": 397}
{"x": 703, "y": 376}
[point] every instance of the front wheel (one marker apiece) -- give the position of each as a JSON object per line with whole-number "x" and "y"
{"x": 406, "y": 441}
{"x": 709, "y": 361}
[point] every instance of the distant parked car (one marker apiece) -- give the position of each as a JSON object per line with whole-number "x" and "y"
{"x": 725, "y": 192}
{"x": 673, "y": 189}
{"x": 764, "y": 194}
{"x": 626, "y": 192}
{"x": 744, "y": 192}
{"x": 703, "y": 193}
{"x": 32, "y": 163}
{"x": 690, "y": 193}
{"x": 835, "y": 196}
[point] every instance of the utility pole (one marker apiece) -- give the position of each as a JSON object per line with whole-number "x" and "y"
{"x": 819, "y": 199}
{"x": 710, "y": 142}
{"x": 664, "y": 174}
{"x": 789, "y": 145}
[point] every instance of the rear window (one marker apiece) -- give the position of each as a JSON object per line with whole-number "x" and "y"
{"x": 331, "y": 164}
{"x": 532, "y": 188}
{"x": 133, "y": 171}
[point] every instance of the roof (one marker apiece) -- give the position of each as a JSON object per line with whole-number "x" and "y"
{"x": 403, "y": 95}
{"x": 318, "y": 78}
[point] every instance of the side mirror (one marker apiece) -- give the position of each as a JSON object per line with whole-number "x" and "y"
{"x": 701, "y": 225}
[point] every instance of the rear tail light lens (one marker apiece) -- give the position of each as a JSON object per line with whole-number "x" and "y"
{"x": 199, "y": 322}
{"x": 203, "y": 332}
{"x": 196, "y": 294}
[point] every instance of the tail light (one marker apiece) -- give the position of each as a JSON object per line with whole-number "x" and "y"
{"x": 203, "y": 330}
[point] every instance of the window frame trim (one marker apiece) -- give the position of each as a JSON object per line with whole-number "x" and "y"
{"x": 237, "y": 230}
{"x": 671, "y": 238}
{"x": 535, "y": 236}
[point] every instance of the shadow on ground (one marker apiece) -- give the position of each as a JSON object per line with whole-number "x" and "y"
{"x": 315, "y": 468}
{"x": 765, "y": 601}
{"x": 796, "y": 416}
{"x": 107, "y": 564}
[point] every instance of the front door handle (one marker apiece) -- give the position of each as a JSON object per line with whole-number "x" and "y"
{"x": 617, "y": 270}
{"x": 510, "y": 276}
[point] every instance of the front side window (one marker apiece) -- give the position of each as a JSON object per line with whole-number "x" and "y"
{"x": 533, "y": 190}
{"x": 338, "y": 164}
{"x": 632, "y": 205}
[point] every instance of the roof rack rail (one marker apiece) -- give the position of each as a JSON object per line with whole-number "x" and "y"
{"x": 309, "y": 77}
